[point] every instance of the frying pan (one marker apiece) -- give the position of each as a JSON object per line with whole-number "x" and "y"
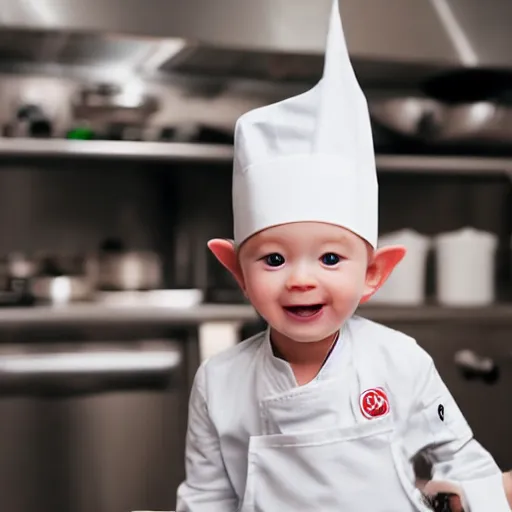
{"x": 471, "y": 85}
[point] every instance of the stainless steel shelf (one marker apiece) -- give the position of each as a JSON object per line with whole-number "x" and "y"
{"x": 101, "y": 314}
{"x": 115, "y": 150}
{"x": 445, "y": 164}
{"x": 162, "y": 151}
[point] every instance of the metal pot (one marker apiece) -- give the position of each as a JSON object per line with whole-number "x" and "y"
{"x": 61, "y": 289}
{"x": 118, "y": 269}
{"x": 61, "y": 279}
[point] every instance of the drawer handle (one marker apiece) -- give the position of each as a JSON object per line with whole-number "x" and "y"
{"x": 68, "y": 369}
{"x": 474, "y": 366}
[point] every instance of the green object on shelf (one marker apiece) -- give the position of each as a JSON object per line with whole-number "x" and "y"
{"x": 80, "y": 134}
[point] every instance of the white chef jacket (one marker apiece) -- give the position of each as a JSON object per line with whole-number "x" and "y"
{"x": 257, "y": 442}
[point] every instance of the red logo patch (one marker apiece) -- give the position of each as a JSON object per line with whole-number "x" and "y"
{"x": 374, "y": 403}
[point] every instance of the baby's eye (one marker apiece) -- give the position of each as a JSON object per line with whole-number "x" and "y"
{"x": 274, "y": 260}
{"x": 330, "y": 259}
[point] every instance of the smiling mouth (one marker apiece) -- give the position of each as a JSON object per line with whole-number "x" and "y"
{"x": 304, "y": 310}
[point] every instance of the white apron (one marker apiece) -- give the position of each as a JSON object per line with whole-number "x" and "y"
{"x": 321, "y": 451}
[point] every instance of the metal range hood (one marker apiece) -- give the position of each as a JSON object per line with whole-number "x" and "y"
{"x": 263, "y": 39}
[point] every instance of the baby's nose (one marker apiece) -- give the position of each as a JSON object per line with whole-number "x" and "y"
{"x": 301, "y": 279}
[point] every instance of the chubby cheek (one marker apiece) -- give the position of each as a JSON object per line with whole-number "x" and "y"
{"x": 262, "y": 288}
{"x": 347, "y": 289}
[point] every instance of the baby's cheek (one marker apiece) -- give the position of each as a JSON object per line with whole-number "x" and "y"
{"x": 357, "y": 278}
{"x": 347, "y": 296}
{"x": 259, "y": 288}
{"x": 349, "y": 284}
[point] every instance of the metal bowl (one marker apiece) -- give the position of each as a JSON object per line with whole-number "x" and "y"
{"x": 429, "y": 120}
{"x": 413, "y": 117}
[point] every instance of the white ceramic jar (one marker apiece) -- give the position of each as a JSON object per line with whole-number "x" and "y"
{"x": 466, "y": 267}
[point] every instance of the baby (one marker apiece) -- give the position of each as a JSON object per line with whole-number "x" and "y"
{"x": 324, "y": 410}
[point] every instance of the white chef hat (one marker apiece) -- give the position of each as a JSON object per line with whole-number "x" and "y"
{"x": 310, "y": 157}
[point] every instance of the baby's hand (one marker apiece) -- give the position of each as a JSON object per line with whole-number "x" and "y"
{"x": 442, "y": 501}
{"x": 432, "y": 488}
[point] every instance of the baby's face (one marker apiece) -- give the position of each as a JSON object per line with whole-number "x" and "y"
{"x": 305, "y": 279}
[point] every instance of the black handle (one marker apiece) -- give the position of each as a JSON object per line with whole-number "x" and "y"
{"x": 443, "y": 502}
{"x": 474, "y": 366}
{"x": 87, "y": 368}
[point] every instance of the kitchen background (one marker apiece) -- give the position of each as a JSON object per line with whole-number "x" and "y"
{"x": 116, "y": 149}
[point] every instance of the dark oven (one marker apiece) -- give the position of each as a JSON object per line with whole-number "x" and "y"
{"x": 93, "y": 418}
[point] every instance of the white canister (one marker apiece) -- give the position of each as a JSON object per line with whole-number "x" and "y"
{"x": 406, "y": 284}
{"x": 466, "y": 267}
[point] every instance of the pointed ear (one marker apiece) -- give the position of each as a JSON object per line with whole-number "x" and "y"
{"x": 225, "y": 251}
{"x": 383, "y": 262}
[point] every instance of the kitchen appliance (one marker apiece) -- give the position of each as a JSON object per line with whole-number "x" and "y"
{"x": 395, "y": 41}
{"x": 92, "y": 425}
{"x": 406, "y": 285}
{"x": 108, "y": 103}
{"x": 120, "y": 269}
{"x": 465, "y": 267}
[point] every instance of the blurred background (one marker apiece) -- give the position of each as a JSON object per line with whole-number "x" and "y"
{"x": 116, "y": 147}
